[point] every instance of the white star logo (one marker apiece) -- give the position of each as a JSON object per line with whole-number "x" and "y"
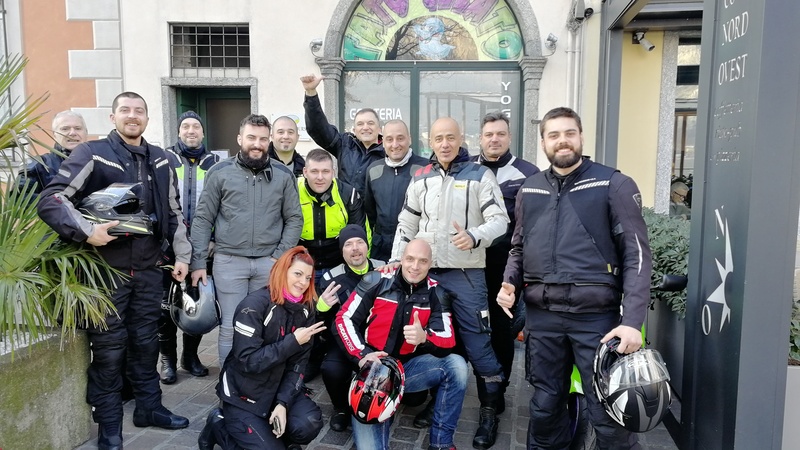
{"x": 725, "y": 268}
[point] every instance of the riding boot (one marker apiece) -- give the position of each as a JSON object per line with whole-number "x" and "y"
{"x": 189, "y": 360}
{"x": 167, "y": 344}
{"x": 489, "y": 395}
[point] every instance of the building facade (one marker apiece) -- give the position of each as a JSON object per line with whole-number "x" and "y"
{"x": 409, "y": 59}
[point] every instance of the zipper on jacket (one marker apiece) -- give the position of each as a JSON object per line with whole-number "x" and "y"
{"x": 557, "y": 211}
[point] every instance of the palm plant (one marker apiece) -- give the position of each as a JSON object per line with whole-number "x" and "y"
{"x": 44, "y": 282}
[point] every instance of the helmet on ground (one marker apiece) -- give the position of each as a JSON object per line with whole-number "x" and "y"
{"x": 376, "y": 390}
{"x": 194, "y": 309}
{"x": 633, "y": 388}
{"x": 119, "y": 201}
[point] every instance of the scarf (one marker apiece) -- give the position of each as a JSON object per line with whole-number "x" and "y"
{"x": 402, "y": 162}
{"x": 192, "y": 153}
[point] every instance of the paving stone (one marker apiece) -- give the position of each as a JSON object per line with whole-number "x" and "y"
{"x": 195, "y": 397}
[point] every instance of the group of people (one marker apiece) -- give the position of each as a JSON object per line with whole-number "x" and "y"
{"x": 318, "y": 271}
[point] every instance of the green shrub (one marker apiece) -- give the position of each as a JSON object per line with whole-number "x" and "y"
{"x": 794, "y": 333}
{"x": 669, "y": 242}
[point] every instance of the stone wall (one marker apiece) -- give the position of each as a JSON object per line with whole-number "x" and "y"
{"x": 43, "y": 395}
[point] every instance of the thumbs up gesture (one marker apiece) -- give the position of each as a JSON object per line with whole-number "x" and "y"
{"x": 505, "y": 298}
{"x": 414, "y": 334}
{"x": 461, "y": 239}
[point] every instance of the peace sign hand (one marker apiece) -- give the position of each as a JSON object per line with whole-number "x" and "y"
{"x": 304, "y": 334}
{"x": 329, "y": 295}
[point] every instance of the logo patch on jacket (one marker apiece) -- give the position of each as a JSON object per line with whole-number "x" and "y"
{"x": 247, "y": 310}
{"x": 637, "y": 197}
{"x": 460, "y": 185}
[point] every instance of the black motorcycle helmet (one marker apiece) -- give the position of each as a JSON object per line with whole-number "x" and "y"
{"x": 118, "y": 201}
{"x": 633, "y": 388}
{"x": 194, "y": 309}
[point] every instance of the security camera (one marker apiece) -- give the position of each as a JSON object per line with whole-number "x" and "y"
{"x": 577, "y": 10}
{"x": 588, "y": 13}
{"x": 315, "y": 45}
{"x": 638, "y": 38}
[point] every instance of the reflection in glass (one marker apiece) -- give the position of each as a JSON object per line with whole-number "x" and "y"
{"x": 388, "y": 93}
{"x": 466, "y": 97}
{"x": 683, "y": 156}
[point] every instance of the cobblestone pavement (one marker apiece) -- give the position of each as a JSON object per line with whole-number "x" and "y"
{"x": 194, "y": 397}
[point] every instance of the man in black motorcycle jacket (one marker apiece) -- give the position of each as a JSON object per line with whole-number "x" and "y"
{"x": 131, "y": 334}
{"x": 579, "y": 244}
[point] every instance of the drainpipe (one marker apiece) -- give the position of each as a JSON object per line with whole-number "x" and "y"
{"x": 575, "y": 37}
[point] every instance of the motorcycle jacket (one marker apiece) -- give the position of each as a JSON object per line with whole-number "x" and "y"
{"x": 373, "y": 317}
{"x": 266, "y": 363}
{"x": 580, "y": 243}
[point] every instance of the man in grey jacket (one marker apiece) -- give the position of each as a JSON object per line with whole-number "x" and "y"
{"x": 253, "y": 208}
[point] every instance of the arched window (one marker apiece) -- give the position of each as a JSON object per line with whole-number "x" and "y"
{"x": 432, "y": 30}
{"x": 418, "y": 60}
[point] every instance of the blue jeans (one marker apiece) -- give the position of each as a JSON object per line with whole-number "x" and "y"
{"x": 423, "y": 372}
{"x": 234, "y": 278}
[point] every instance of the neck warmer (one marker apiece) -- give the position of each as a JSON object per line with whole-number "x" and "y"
{"x": 402, "y": 162}
{"x": 291, "y": 298}
{"x": 192, "y": 153}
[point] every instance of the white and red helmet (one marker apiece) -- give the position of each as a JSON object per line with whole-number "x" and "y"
{"x": 376, "y": 390}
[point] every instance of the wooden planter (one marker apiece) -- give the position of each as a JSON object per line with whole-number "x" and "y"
{"x": 43, "y": 395}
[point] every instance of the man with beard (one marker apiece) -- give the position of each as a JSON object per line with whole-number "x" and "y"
{"x": 457, "y": 207}
{"x": 581, "y": 261}
{"x": 328, "y": 205}
{"x": 252, "y": 207}
{"x": 355, "y": 151}
{"x": 282, "y": 148}
{"x": 387, "y": 181}
{"x": 336, "y": 285}
{"x": 191, "y": 160}
{"x": 69, "y": 130}
{"x": 130, "y": 334}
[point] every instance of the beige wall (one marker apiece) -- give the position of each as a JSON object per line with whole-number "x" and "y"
{"x": 47, "y": 37}
{"x": 639, "y": 109}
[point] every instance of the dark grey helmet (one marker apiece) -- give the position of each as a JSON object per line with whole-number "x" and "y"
{"x": 632, "y": 388}
{"x": 118, "y": 201}
{"x": 194, "y": 309}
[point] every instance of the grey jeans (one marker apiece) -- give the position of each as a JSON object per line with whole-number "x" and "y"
{"x": 235, "y": 277}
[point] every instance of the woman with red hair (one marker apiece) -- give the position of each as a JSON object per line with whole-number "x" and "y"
{"x": 264, "y": 403}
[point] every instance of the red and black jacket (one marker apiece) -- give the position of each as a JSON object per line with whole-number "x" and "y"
{"x": 373, "y": 317}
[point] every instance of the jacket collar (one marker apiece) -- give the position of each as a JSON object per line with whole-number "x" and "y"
{"x": 274, "y": 154}
{"x": 376, "y": 147}
{"x": 267, "y": 170}
{"x": 501, "y": 161}
{"x": 325, "y": 197}
{"x": 585, "y": 165}
{"x": 408, "y": 288}
{"x": 455, "y": 166}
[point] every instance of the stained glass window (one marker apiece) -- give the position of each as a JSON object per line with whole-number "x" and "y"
{"x": 432, "y": 30}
